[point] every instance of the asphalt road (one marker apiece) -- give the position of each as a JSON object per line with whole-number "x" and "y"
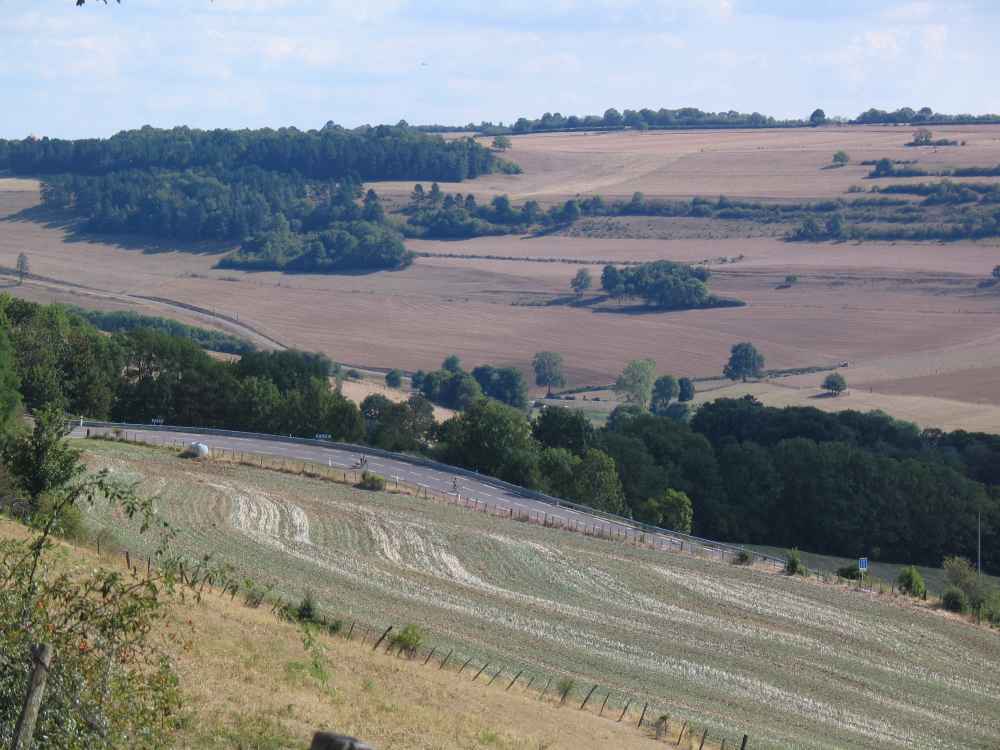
{"x": 434, "y": 480}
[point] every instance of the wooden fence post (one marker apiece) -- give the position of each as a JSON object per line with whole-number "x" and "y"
{"x": 546, "y": 689}
{"x": 681, "y": 735}
{"x": 514, "y": 680}
{"x": 430, "y": 655}
{"x": 582, "y": 705}
{"x": 480, "y": 671}
{"x": 351, "y": 631}
{"x": 743, "y": 746}
{"x": 499, "y": 672}
{"x": 445, "y": 660}
{"x": 24, "y": 731}
{"x": 703, "y": 736}
{"x": 643, "y": 715}
{"x": 379, "y": 641}
{"x": 605, "y": 703}
{"x": 627, "y": 704}
{"x": 465, "y": 665}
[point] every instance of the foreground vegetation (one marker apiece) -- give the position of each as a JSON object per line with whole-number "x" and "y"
{"x": 798, "y": 664}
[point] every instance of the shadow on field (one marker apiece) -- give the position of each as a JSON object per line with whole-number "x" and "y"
{"x": 72, "y": 227}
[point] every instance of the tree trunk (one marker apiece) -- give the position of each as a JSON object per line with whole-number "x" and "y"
{"x": 24, "y": 732}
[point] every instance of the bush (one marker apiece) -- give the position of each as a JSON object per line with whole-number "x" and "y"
{"x": 394, "y": 378}
{"x": 254, "y": 595}
{"x": 954, "y": 600}
{"x": 911, "y": 582}
{"x": 743, "y": 558}
{"x": 353, "y": 374}
{"x": 371, "y": 481}
{"x": 306, "y": 611}
{"x": 409, "y": 639}
{"x": 794, "y": 565}
{"x": 565, "y": 687}
{"x": 850, "y": 572}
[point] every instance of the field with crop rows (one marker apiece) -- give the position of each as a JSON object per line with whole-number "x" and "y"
{"x": 793, "y": 663}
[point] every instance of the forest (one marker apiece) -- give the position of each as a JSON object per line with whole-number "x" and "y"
{"x": 848, "y": 483}
{"x": 291, "y": 199}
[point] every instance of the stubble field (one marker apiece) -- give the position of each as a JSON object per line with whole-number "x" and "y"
{"x": 911, "y": 318}
{"x": 794, "y": 663}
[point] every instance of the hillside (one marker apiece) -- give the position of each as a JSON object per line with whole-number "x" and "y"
{"x": 793, "y": 663}
{"x": 278, "y": 700}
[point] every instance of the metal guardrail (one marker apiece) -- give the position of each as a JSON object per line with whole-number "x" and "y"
{"x": 639, "y": 526}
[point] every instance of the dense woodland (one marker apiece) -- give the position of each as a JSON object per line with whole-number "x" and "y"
{"x": 292, "y": 199}
{"x": 846, "y": 483}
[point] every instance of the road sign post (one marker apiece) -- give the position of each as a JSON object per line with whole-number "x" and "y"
{"x": 863, "y": 567}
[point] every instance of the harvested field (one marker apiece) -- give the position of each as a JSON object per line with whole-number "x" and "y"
{"x": 766, "y": 164}
{"x": 894, "y": 310}
{"x": 794, "y": 663}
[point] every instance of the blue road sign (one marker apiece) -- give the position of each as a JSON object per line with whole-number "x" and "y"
{"x": 863, "y": 564}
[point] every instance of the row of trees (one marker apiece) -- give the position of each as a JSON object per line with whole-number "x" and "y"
{"x": 364, "y": 153}
{"x": 452, "y": 387}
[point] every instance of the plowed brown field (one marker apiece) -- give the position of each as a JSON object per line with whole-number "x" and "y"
{"x": 910, "y": 318}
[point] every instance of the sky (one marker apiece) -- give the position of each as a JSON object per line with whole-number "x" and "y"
{"x": 92, "y": 71}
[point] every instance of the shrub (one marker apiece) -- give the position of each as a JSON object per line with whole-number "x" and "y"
{"x": 850, "y": 572}
{"x": 353, "y": 374}
{"x": 254, "y": 595}
{"x": 306, "y": 611}
{"x": 954, "y": 599}
{"x": 743, "y": 558}
{"x": 565, "y": 687}
{"x": 794, "y": 565}
{"x": 409, "y": 639}
{"x": 371, "y": 481}
{"x": 394, "y": 378}
{"x": 911, "y": 582}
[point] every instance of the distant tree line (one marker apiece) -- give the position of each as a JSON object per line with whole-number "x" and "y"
{"x": 924, "y": 115}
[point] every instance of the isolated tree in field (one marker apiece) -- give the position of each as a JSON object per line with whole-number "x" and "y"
{"x": 744, "y": 362}
{"x": 435, "y": 196}
{"x": 635, "y": 384}
{"x": 548, "y": 368}
{"x": 23, "y": 269}
{"x": 582, "y": 281}
{"x": 922, "y": 137}
{"x": 665, "y": 390}
{"x": 676, "y": 512}
{"x": 501, "y": 143}
{"x": 452, "y": 363}
{"x": 841, "y": 158}
{"x": 834, "y": 383}
{"x": 418, "y": 194}
{"x": 685, "y": 390}
{"x": 394, "y": 378}
{"x": 818, "y": 117}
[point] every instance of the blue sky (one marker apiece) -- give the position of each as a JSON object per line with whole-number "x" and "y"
{"x": 91, "y": 71}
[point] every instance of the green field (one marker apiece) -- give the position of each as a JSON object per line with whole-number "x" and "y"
{"x": 794, "y": 663}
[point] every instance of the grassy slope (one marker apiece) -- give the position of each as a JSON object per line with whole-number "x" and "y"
{"x": 248, "y": 684}
{"x": 793, "y": 663}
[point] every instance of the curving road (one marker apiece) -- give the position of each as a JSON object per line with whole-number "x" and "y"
{"x": 437, "y": 481}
